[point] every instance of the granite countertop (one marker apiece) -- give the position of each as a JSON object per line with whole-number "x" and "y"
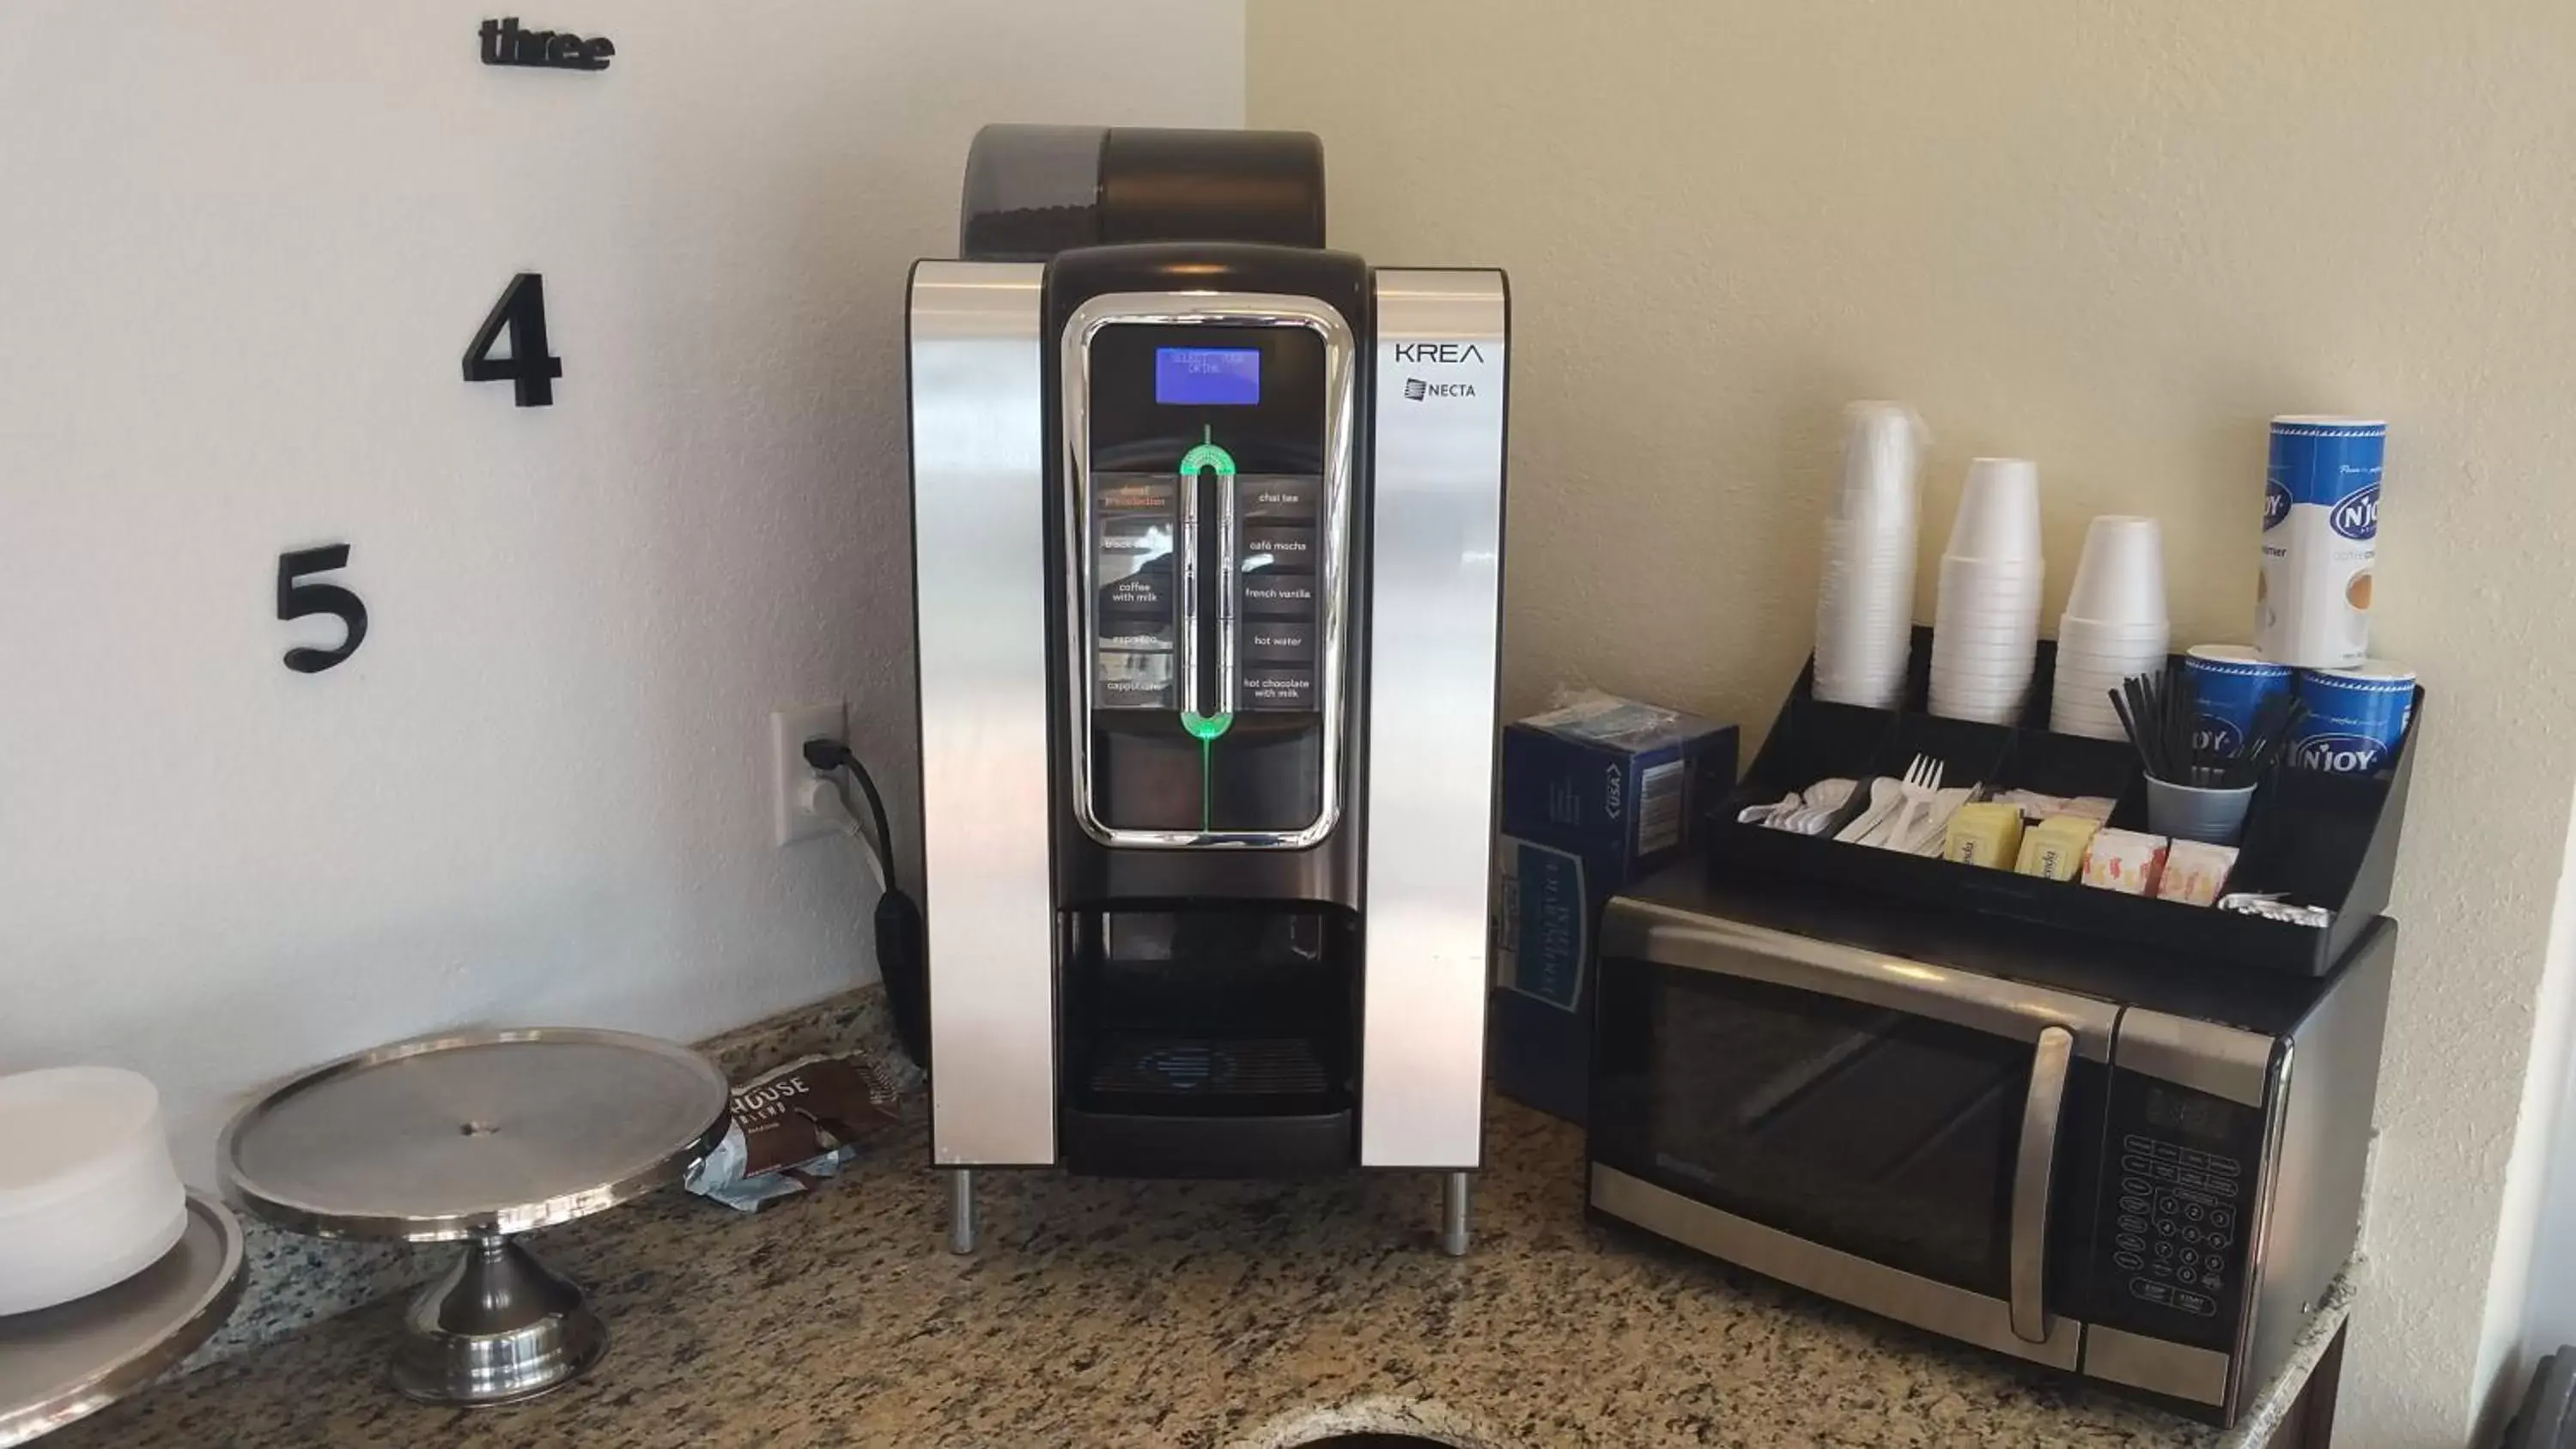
{"x": 1181, "y": 1315}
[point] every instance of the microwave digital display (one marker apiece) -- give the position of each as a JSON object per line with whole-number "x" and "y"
{"x": 2188, "y": 1113}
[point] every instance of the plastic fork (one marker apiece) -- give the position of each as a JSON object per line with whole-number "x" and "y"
{"x": 1922, "y": 781}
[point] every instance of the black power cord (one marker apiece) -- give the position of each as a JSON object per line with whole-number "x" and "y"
{"x": 902, "y": 957}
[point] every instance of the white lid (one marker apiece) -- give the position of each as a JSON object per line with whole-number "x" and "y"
{"x": 2226, "y": 654}
{"x": 2327, "y": 420}
{"x": 62, "y": 1127}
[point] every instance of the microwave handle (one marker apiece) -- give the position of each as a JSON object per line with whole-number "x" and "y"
{"x": 2033, "y": 1166}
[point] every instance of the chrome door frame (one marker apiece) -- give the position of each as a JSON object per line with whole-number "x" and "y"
{"x": 1207, "y": 309}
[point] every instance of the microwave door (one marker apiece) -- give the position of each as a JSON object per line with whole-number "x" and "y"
{"x": 1886, "y": 1132}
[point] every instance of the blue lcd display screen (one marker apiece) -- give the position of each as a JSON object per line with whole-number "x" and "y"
{"x": 1207, "y": 376}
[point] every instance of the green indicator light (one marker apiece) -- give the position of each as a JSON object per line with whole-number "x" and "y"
{"x": 1207, "y": 455}
{"x": 1205, "y": 728}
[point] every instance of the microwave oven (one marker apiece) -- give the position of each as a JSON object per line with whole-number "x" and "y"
{"x": 2142, "y": 1169}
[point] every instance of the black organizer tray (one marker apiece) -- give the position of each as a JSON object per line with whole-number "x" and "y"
{"x": 2320, "y": 839}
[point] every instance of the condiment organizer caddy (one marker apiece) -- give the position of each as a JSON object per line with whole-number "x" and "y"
{"x": 2322, "y": 839}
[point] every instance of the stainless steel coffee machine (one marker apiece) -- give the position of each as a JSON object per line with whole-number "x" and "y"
{"x": 1207, "y": 534}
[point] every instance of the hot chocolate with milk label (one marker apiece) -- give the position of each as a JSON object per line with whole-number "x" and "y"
{"x": 2320, "y": 541}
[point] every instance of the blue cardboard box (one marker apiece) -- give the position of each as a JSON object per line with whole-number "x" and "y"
{"x": 1596, "y": 794}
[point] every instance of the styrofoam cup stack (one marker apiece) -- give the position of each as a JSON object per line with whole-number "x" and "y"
{"x": 1985, "y": 628}
{"x": 2114, "y": 625}
{"x": 1865, "y": 592}
{"x": 88, "y": 1195}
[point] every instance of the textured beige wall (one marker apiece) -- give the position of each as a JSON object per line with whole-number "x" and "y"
{"x": 2115, "y": 238}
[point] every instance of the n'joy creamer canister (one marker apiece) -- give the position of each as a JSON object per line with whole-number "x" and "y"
{"x": 2320, "y": 541}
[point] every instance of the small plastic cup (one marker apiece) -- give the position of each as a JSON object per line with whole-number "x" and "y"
{"x": 2064, "y": 723}
{"x": 2020, "y": 635}
{"x": 1962, "y": 607}
{"x": 2086, "y": 624}
{"x": 2121, "y": 578}
{"x": 1998, "y": 687}
{"x": 2187, "y": 812}
{"x": 1998, "y": 515}
{"x": 2083, "y": 634}
{"x": 2105, "y": 666}
{"x": 2022, "y": 620}
{"x": 1993, "y": 575}
{"x": 1882, "y": 450}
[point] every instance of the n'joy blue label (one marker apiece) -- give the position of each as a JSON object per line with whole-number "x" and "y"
{"x": 2276, "y": 504}
{"x": 2340, "y": 754}
{"x": 2216, "y": 736}
{"x": 2329, "y": 464}
{"x": 2357, "y": 516}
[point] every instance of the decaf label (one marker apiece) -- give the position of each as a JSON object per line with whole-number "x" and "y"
{"x": 504, "y": 43}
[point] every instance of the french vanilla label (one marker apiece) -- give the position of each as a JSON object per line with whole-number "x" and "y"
{"x": 1273, "y": 594}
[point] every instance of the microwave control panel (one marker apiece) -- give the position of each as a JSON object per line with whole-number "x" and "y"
{"x": 2177, "y": 1207}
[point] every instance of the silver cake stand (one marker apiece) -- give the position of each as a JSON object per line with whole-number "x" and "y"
{"x": 480, "y": 1139}
{"x": 69, "y": 1361}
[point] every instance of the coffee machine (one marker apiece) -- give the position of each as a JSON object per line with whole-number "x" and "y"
{"x": 1207, "y": 538}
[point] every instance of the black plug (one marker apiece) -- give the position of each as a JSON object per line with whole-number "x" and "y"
{"x": 900, "y": 934}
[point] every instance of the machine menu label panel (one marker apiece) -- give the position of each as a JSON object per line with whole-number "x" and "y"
{"x": 1279, "y": 553}
{"x": 1272, "y": 641}
{"x": 1270, "y": 687}
{"x": 1136, "y": 609}
{"x": 1275, "y": 596}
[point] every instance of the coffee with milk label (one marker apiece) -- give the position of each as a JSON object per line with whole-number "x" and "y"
{"x": 2320, "y": 541}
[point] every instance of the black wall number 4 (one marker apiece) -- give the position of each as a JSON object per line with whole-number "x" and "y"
{"x": 523, "y": 308}
{"x": 297, "y": 600}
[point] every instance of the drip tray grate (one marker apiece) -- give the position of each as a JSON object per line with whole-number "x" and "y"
{"x": 1177, "y": 1067}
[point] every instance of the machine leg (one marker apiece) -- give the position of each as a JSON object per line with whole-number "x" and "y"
{"x": 961, "y": 1210}
{"x": 1453, "y": 1214}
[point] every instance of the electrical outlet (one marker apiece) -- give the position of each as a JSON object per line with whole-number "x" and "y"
{"x": 789, "y": 729}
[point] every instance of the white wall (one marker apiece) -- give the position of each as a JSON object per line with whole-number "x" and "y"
{"x": 245, "y": 247}
{"x": 2116, "y": 238}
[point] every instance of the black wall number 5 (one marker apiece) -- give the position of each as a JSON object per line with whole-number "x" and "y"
{"x": 297, "y": 600}
{"x": 523, "y": 308}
